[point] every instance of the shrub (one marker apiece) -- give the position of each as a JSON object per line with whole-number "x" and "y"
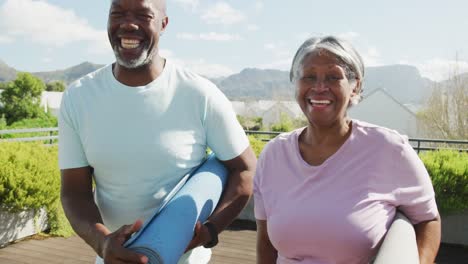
{"x": 256, "y": 144}
{"x": 449, "y": 173}
{"x": 29, "y": 179}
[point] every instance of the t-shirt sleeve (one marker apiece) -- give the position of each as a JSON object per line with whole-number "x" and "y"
{"x": 71, "y": 153}
{"x": 259, "y": 208}
{"x": 414, "y": 194}
{"x": 225, "y": 135}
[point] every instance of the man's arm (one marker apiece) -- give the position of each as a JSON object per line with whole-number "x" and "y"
{"x": 83, "y": 215}
{"x": 235, "y": 196}
{"x": 428, "y": 240}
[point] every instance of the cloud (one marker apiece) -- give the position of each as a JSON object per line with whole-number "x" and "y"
{"x": 348, "y": 35}
{"x": 48, "y": 25}
{"x": 6, "y": 39}
{"x": 279, "y": 50}
{"x": 200, "y": 66}
{"x": 252, "y": 27}
{"x": 283, "y": 64}
{"x": 211, "y": 70}
{"x": 259, "y": 5}
{"x": 440, "y": 69}
{"x": 166, "y": 53}
{"x": 211, "y": 36}
{"x": 188, "y": 4}
{"x": 371, "y": 57}
{"x": 222, "y": 13}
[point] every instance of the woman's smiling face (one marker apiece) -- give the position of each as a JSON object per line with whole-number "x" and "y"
{"x": 324, "y": 90}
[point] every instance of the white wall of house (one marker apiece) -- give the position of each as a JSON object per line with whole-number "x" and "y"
{"x": 269, "y": 110}
{"x": 50, "y": 101}
{"x": 273, "y": 114}
{"x": 382, "y": 109}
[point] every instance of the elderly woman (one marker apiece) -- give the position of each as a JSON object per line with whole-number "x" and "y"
{"x": 328, "y": 192}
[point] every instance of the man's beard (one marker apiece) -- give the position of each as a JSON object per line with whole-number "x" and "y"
{"x": 142, "y": 60}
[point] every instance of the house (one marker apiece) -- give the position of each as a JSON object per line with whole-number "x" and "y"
{"x": 273, "y": 114}
{"x": 50, "y": 101}
{"x": 269, "y": 110}
{"x": 380, "y": 108}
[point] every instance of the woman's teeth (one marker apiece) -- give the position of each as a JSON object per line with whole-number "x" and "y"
{"x": 319, "y": 101}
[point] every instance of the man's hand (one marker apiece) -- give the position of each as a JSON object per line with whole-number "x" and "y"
{"x": 201, "y": 236}
{"x": 111, "y": 247}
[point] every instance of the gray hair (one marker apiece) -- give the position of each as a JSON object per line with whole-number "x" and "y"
{"x": 341, "y": 49}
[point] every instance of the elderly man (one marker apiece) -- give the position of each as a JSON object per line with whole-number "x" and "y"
{"x": 136, "y": 127}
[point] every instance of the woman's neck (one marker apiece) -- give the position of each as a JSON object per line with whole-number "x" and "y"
{"x": 334, "y": 135}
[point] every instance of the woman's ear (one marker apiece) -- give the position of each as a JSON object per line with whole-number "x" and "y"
{"x": 356, "y": 88}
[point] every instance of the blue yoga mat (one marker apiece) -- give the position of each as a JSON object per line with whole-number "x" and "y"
{"x": 164, "y": 237}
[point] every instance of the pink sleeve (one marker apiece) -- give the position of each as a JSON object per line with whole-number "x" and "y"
{"x": 259, "y": 208}
{"x": 414, "y": 193}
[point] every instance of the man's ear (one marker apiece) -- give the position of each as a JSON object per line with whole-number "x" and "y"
{"x": 164, "y": 23}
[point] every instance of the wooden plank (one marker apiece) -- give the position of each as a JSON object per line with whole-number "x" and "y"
{"x": 235, "y": 247}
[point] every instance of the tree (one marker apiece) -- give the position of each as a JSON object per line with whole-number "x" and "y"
{"x": 284, "y": 125}
{"x": 21, "y": 98}
{"x": 55, "y": 86}
{"x": 445, "y": 114}
{"x": 250, "y": 123}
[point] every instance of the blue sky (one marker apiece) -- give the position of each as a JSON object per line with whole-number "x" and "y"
{"x": 218, "y": 38}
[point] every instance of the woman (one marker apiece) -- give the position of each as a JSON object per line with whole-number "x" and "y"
{"x": 327, "y": 193}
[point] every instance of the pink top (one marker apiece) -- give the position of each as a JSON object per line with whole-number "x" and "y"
{"x": 338, "y": 212}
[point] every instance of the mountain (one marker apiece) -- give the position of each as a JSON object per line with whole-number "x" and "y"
{"x": 257, "y": 84}
{"x": 70, "y": 74}
{"x": 403, "y": 82}
{"x": 6, "y": 72}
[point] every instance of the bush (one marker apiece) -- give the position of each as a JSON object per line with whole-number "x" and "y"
{"x": 449, "y": 173}
{"x": 44, "y": 120}
{"x": 256, "y": 144}
{"x": 29, "y": 179}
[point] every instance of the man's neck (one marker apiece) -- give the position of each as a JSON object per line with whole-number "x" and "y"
{"x": 140, "y": 76}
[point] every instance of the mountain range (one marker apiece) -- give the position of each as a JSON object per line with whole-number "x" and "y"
{"x": 403, "y": 82}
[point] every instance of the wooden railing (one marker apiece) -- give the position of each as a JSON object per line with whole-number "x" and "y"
{"x": 419, "y": 144}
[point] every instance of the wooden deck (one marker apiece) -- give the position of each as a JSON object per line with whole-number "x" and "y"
{"x": 235, "y": 246}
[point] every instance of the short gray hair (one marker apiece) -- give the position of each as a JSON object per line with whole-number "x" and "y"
{"x": 341, "y": 49}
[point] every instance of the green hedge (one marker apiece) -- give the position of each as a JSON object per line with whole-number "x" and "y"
{"x": 449, "y": 174}
{"x": 30, "y": 179}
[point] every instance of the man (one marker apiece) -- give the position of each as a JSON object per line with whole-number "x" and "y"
{"x": 136, "y": 127}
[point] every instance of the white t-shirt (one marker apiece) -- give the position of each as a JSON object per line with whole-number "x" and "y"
{"x": 142, "y": 140}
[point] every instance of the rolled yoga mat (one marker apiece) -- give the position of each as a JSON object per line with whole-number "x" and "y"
{"x": 164, "y": 237}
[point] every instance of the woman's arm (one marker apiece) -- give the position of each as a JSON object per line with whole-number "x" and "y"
{"x": 266, "y": 253}
{"x": 428, "y": 239}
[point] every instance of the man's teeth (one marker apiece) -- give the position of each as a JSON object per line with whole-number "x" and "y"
{"x": 319, "y": 101}
{"x": 129, "y": 43}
